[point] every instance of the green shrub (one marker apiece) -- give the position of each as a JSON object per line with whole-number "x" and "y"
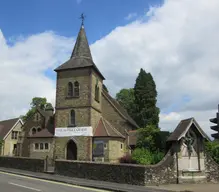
{"x": 157, "y": 157}
{"x": 213, "y": 150}
{"x": 146, "y": 157}
{"x": 142, "y": 156}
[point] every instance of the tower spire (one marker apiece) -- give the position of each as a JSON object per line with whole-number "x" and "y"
{"x": 81, "y": 48}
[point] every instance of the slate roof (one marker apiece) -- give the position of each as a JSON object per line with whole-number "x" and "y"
{"x": 119, "y": 108}
{"x": 182, "y": 127}
{"x": 105, "y": 129}
{"x": 43, "y": 113}
{"x": 6, "y": 125}
{"x": 81, "y": 56}
{"x": 44, "y": 133}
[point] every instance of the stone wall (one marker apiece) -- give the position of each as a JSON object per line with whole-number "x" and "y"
{"x": 113, "y": 116}
{"x": 163, "y": 172}
{"x": 42, "y": 154}
{"x": 28, "y": 164}
{"x": 211, "y": 169}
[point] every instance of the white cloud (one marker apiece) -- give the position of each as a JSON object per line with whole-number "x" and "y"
{"x": 23, "y": 67}
{"x": 131, "y": 16}
{"x": 177, "y": 42}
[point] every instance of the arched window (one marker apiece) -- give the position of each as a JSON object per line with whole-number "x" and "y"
{"x": 33, "y": 131}
{"x": 97, "y": 93}
{"x": 72, "y": 118}
{"x": 76, "y": 89}
{"x": 70, "y": 89}
{"x": 38, "y": 129}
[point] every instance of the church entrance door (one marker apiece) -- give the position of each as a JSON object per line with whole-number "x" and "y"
{"x": 71, "y": 150}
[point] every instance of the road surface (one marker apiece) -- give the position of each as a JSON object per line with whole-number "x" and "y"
{"x": 17, "y": 183}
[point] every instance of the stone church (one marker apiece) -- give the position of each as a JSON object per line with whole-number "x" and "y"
{"x": 96, "y": 127}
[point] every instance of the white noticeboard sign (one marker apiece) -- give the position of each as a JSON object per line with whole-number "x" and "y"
{"x": 73, "y": 131}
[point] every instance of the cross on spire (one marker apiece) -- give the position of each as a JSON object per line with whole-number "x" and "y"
{"x": 82, "y": 19}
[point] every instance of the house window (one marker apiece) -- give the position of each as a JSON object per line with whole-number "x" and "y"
{"x": 72, "y": 118}
{"x": 41, "y": 146}
{"x": 33, "y": 131}
{"x": 76, "y": 89}
{"x": 121, "y": 146}
{"x": 38, "y": 129}
{"x": 36, "y": 146}
{"x": 46, "y": 146}
{"x": 70, "y": 89}
{"x": 14, "y": 135}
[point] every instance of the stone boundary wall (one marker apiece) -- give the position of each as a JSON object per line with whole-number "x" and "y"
{"x": 211, "y": 169}
{"x": 163, "y": 172}
{"x": 28, "y": 164}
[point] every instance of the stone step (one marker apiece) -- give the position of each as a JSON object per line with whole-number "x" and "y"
{"x": 193, "y": 179}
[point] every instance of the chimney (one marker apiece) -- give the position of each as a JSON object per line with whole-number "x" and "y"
{"x": 49, "y": 109}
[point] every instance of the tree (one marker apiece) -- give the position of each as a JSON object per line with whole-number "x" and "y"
{"x": 212, "y": 148}
{"x": 126, "y": 99}
{"x": 146, "y": 138}
{"x": 40, "y": 102}
{"x": 145, "y": 100}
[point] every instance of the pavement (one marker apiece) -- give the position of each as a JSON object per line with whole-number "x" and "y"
{"x": 13, "y": 183}
{"x": 15, "y": 180}
{"x": 202, "y": 187}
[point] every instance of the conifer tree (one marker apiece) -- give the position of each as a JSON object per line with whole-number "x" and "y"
{"x": 147, "y": 113}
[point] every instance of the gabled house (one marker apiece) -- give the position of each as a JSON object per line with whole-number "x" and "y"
{"x": 9, "y": 133}
{"x": 36, "y": 140}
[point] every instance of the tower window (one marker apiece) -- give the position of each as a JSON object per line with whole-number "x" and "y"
{"x": 97, "y": 94}
{"x": 76, "y": 89}
{"x": 70, "y": 89}
{"x": 72, "y": 118}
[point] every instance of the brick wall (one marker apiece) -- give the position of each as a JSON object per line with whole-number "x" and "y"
{"x": 28, "y": 164}
{"x": 163, "y": 172}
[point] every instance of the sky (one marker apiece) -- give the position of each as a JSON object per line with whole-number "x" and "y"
{"x": 176, "y": 41}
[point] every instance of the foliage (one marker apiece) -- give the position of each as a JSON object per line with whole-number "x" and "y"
{"x": 157, "y": 157}
{"x": 127, "y": 159}
{"x": 142, "y": 156}
{"x": 126, "y": 98}
{"x": 40, "y": 102}
{"x": 160, "y": 140}
{"x": 146, "y": 157}
{"x": 147, "y": 137}
{"x": 145, "y": 95}
{"x": 213, "y": 149}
